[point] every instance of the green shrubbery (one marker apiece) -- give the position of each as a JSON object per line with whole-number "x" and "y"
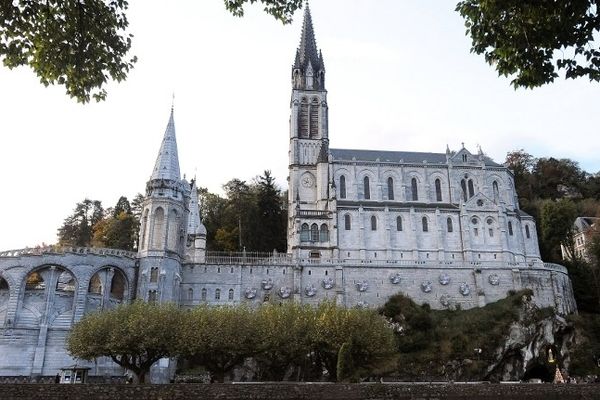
{"x": 434, "y": 337}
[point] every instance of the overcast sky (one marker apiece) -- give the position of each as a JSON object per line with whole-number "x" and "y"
{"x": 399, "y": 75}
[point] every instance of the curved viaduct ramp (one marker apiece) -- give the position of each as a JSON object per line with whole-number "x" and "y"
{"x": 44, "y": 291}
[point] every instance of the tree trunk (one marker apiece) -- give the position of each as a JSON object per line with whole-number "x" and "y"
{"x": 140, "y": 377}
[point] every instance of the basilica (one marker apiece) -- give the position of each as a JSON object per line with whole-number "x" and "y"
{"x": 442, "y": 228}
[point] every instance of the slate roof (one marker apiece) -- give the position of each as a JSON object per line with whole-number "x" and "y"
{"x": 411, "y": 157}
{"x": 167, "y": 161}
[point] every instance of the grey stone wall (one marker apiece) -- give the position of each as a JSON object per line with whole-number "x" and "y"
{"x": 301, "y": 391}
{"x": 370, "y": 283}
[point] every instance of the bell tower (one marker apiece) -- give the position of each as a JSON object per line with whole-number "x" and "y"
{"x": 310, "y": 216}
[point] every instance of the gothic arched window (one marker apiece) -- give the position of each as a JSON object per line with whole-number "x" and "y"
{"x": 373, "y": 223}
{"x": 471, "y": 188}
{"x": 324, "y": 236}
{"x": 203, "y": 294}
{"x": 143, "y": 238}
{"x": 414, "y": 189}
{"x": 527, "y": 233}
{"x": 367, "y": 188}
{"x": 496, "y": 192}
{"x": 158, "y": 231}
{"x": 154, "y": 274}
{"x": 218, "y": 294}
{"x": 347, "y": 222}
{"x": 398, "y": 224}
{"x": 230, "y": 297}
{"x": 304, "y": 233}
{"x": 190, "y": 294}
{"x": 314, "y": 118}
{"x": 438, "y": 190}
{"x": 342, "y": 187}
{"x": 314, "y": 233}
{"x": 303, "y": 119}
{"x": 425, "y": 224}
{"x": 390, "y": 188}
{"x": 449, "y": 222}
{"x": 463, "y": 185}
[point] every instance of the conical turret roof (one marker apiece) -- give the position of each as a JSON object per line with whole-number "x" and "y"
{"x": 167, "y": 162}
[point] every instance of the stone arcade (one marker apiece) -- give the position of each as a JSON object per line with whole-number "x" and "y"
{"x": 442, "y": 228}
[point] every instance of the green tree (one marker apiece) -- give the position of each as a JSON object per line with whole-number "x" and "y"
{"x": 76, "y": 229}
{"x": 119, "y": 229}
{"x": 212, "y": 208}
{"x": 521, "y": 163}
{"x": 371, "y": 337}
{"x": 271, "y": 231}
{"x": 122, "y": 206}
{"x": 282, "y": 10}
{"x": 285, "y": 333}
{"x": 133, "y": 336}
{"x": 555, "y": 179}
{"x": 532, "y": 41}
{"x": 345, "y": 364}
{"x": 117, "y": 232}
{"x": 556, "y": 227}
{"x": 82, "y": 44}
{"x": 78, "y": 44}
{"x": 219, "y": 338}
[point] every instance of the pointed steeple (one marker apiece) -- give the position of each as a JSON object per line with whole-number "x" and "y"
{"x": 167, "y": 162}
{"x": 308, "y": 62}
{"x": 195, "y": 226}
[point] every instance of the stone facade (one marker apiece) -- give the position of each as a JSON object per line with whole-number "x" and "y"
{"x": 442, "y": 228}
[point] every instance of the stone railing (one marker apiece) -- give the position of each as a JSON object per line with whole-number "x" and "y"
{"x": 38, "y": 251}
{"x": 248, "y": 258}
{"x": 254, "y": 258}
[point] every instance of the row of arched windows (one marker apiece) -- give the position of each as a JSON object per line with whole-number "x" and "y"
{"x": 314, "y": 233}
{"x": 108, "y": 278}
{"x": 414, "y": 189}
{"x": 157, "y": 233}
{"x": 425, "y": 225}
{"x": 204, "y": 294}
{"x": 399, "y": 226}
{"x": 467, "y": 186}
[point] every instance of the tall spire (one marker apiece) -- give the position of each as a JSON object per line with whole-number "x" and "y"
{"x": 308, "y": 70}
{"x": 167, "y": 162}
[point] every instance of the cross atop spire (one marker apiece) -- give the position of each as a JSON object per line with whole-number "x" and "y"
{"x": 167, "y": 162}
{"x": 308, "y": 63}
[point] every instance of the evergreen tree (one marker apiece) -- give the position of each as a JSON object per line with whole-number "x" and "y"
{"x": 271, "y": 231}
{"x": 119, "y": 230}
{"x": 77, "y": 227}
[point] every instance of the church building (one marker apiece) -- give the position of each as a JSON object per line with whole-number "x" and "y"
{"x": 363, "y": 225}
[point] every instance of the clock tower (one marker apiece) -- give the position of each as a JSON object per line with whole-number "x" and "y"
{"x": 311, "y": 201}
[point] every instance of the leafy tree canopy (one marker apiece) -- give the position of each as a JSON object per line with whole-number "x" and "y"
{"x": 531, "y": 41}
{"x": 133, "y": 336}
{"x": 78, "y": 44}
{"x": 83, "y": 44}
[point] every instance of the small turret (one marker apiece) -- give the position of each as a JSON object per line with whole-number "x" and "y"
{"x": 196, "y": 231}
